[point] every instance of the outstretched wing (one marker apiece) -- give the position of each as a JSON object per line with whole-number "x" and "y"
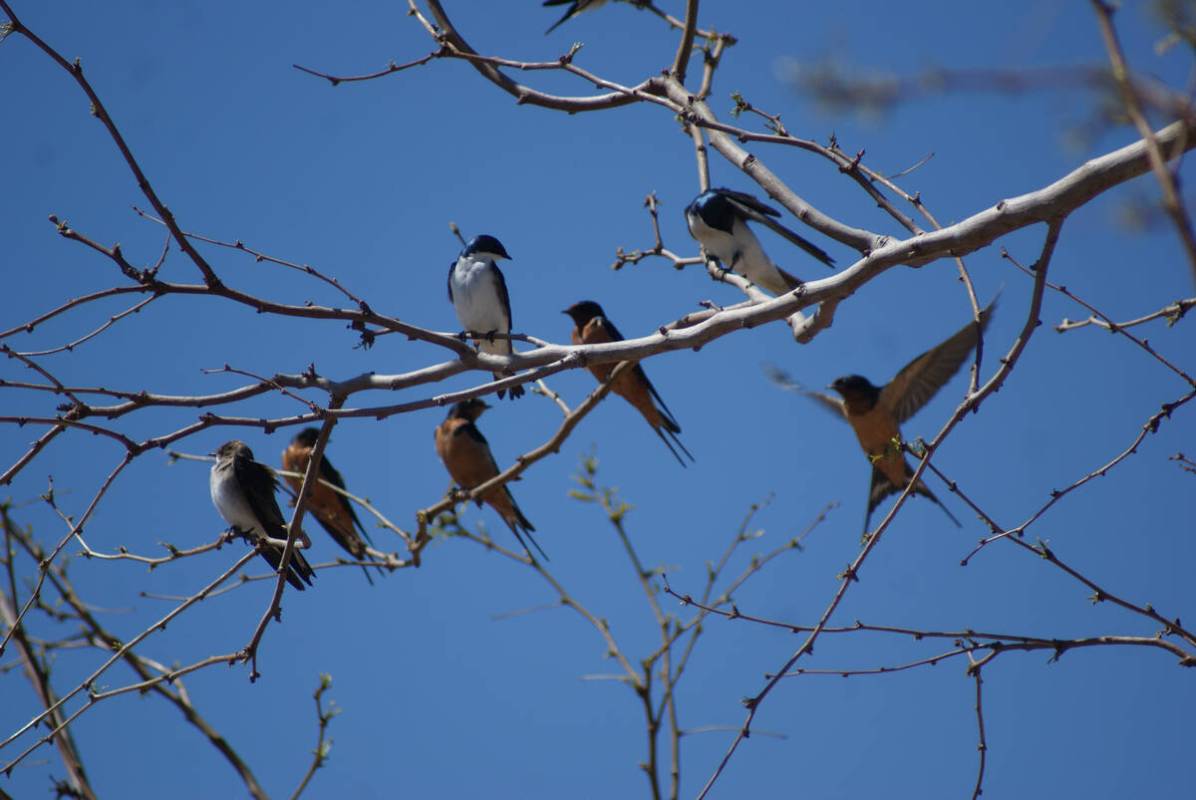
{"x": 782, "y": 378}
{"x": 921, "y": 379}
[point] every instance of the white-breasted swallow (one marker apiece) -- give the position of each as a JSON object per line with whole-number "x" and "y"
{"x": 479, "y": 296}
{"x": 333, "y": 511}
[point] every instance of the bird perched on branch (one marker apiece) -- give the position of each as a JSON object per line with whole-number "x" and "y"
{"x": 875, "y": 413}
{"x": 467, "y": 457}
{"x": 333, "y": 511}
{"x": 479, "y": 296}
{"x": 243, "y": 493}
{"x": 590, "y": 326}
{"x": 718, "y": 219}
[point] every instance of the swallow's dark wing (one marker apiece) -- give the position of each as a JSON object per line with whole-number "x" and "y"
{"x": 799, "y": 240}
{"x": 921, "y": 378}
{"x": 782, "y": 378}
{"x": 330, "y": 474}
{"x": 483, "y": 447}
{"x": 258, "y": 484}
{"x": 575, "y": 7}
{"x": 638, "y": 373}
{"x": 452, "y": 266}
{"x": 504, "y": 298}
{"x": 751, "y": 208}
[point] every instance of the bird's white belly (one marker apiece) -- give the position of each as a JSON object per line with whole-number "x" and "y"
{"x": 476, "y": 299}
{"x": 753, "y": 262}
{"x": 716, "y": 243}
{"x": 739, "y": 250}
{"x": 478, "y": 304}
{"x": 231, "y": 503}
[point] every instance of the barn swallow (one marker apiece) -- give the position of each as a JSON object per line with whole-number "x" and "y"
{"x": 479, "y": 296}
{"x": 575, "y": 8}
{"x": 243, "y": 492}
{"x": 333, "y": 511}
{"x": 875, "y": 413}
{"x": 590, "y": 326}
{"x": 718, "y": 219}
{"x": 467, "y": 457}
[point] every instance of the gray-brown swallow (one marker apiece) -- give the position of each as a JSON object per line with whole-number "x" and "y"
{"x": 243, "y": 493}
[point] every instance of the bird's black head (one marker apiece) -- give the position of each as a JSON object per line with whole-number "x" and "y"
{"x": 583, "y": 311}
{"x": 234, "y": 448}
{"x": 703, "y": 201}
{"x": 857, "y": 389}
{"x": 307, "y": 437}
{"x": 468, "y": 409}
{"x": 485, "y": 245}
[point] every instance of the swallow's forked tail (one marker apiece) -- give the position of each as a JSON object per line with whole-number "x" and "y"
{"x": 520, "y": 526}
{"x": 297, "y": 569}
{"x": 882, "y": 488}
{"x": 668, "y": 434}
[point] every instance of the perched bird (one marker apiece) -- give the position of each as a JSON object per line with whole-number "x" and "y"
{"x": 718, "y": 219}
{"x": 592, "y": 327}
{"x": 467, "y": 457}
{"x": 333, "y": 511}
{"x": 479, "y": 296}
{"x": 575, "y": 8}
{"x": 875, "y": 413}
{"x": 243, "y": 492}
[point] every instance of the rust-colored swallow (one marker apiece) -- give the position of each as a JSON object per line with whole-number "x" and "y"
{"x": 333, "y": 511}
{"x": 875, "y": 413}
{"x": 590, "y": 326}
{"x": 467, "y": 457}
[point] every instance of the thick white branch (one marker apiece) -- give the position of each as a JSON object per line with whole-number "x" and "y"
{"x": 977, "y": 231}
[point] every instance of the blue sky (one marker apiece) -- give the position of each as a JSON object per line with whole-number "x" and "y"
{"x": 439, "y": 698}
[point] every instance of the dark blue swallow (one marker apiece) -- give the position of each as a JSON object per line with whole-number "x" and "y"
{"x": 718, "y": 219}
